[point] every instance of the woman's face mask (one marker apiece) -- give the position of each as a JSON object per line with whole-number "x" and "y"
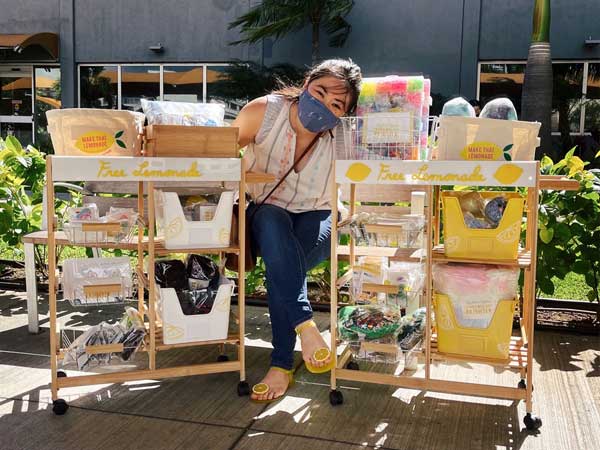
{"x": 314, "y": 115}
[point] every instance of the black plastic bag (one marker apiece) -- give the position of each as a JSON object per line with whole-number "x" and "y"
{"x": 171, "y": 274}
{"x": 200, "y": 267}
{"x": 197, "y": 301}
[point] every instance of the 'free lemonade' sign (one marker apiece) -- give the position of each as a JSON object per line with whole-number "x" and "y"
{"x": 77, "y": 168}
{"x": 469, "y": 173}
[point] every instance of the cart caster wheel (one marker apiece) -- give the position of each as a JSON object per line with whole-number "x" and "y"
{"x": 336, "y": 398}
{"x": 222, "y": 358}
{"x": 243, "y": 388}
{"x": 532, "y": 422}
{"x": 352, "y": 365}
{"x": 59, "y": 407}
{"x": 523, "y": 385}
{"x": 61, "y": 374}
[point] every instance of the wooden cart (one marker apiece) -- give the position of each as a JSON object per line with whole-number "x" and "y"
{"x": 172, "y": 154}
{"x": 429, "y": 176}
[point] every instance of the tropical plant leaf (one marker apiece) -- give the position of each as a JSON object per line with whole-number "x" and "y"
{"x": 546, "y": 235}
{"x": 121, "y": 143}
{"x": 119, "y": 134}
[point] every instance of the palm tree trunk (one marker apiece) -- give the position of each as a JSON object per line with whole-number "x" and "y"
{"x": 536, "y": 100}
{"x": 315, "y": 41}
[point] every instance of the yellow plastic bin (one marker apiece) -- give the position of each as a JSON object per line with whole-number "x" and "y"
{"x": 492, "y": 342}
{"x": 501, "y": 243}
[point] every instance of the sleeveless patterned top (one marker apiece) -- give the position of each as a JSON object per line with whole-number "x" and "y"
{"x": 273, "y": 153}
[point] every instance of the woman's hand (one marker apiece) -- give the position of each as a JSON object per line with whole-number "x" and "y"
{"x": 249, "y": 120}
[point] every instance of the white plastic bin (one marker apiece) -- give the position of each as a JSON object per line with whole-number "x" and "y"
{"x": 178, "y": 232}
{"x": 179, "y": 328}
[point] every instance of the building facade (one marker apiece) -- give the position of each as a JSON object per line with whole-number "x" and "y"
{"x": 112, "y": 53}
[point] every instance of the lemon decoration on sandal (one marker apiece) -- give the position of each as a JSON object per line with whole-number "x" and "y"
{"x": 260, "y": 388}
{"x": 321, "y": 354}
{"x": 264, "y": 388}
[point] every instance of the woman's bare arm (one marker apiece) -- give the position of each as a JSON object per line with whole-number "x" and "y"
{"x": 249, "y": 120}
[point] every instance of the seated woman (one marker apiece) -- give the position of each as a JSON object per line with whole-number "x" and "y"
{"x": 291, "y": 134}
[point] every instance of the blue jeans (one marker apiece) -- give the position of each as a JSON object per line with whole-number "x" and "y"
{"x": 290, "y": 244}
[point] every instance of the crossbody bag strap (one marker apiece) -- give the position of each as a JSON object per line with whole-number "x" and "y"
{"x": 304, "y": 153}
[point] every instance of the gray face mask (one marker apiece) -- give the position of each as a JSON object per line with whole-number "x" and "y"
{"x": 314, "y": 115}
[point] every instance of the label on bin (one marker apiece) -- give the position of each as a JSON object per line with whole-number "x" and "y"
{"x": 479, "y": 310}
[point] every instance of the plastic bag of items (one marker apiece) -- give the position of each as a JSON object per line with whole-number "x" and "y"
{"x": 201, "y": 207}
{"x": 458, "y": 107}
{"x": 130, "y": 332}
{"x": 195, "y": 282}
{"x": 479, "y": 212}
{"x": 171, "y": 273}
{"x": 367, "y": 322}
{"x": 411, "y": 329}
{"x": 409, "y": 277}
{"x": 189, "y": 114}
{"x": 368, "y": 269}
{"x": 475, "y": 290}
{"x": 499, "y": 108}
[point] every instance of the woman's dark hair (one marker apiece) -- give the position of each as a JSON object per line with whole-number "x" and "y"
{"x": 342, "y": 69}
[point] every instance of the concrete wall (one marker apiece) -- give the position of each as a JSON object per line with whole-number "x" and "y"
{"x": 506, "y": 29}
{"x": 394, "y": 37}
{"x": 443, "y": 40}
{"x": 189, "y": 30}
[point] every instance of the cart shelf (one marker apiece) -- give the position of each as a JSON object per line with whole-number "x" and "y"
{"x": 395, "y": 254}
{"x": 523, "y": 259}
{"x": 430, "y": 176}
{"x": 164, "y": 162}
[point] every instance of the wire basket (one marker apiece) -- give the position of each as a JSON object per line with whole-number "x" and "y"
{"x": 382, "y": 136}
{"x": 87, "y": 232}
{"x": 102, "y": 344}
{"x": 97, "y": 281}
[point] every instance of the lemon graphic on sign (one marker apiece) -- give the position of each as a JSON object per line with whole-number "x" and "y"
{"x": 508, "y": 173}
{"x": 358, "y": 172}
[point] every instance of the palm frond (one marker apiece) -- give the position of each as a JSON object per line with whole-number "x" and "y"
{"x": 339, "y": 30}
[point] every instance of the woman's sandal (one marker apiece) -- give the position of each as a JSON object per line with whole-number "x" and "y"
{"x": 264, "y": 388}
{"x": 320, "y": 354}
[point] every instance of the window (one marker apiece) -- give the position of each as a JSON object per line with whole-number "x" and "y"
{"x": 138, "y": 82}
{"x": 47, "y": 97}
{"x": 221, "y": 87}
{"x": 592, "y": 103}
{"x": 98, "y": 87}
{"x": 576, "y": 92}
{"x": 183, "y": 84}
{"x": 567, "y": 97}
{"x": 497, "y": 80}
{"x": 122, "y": 86}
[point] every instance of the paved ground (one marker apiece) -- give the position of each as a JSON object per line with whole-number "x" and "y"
{"x": 204, "y": 412}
